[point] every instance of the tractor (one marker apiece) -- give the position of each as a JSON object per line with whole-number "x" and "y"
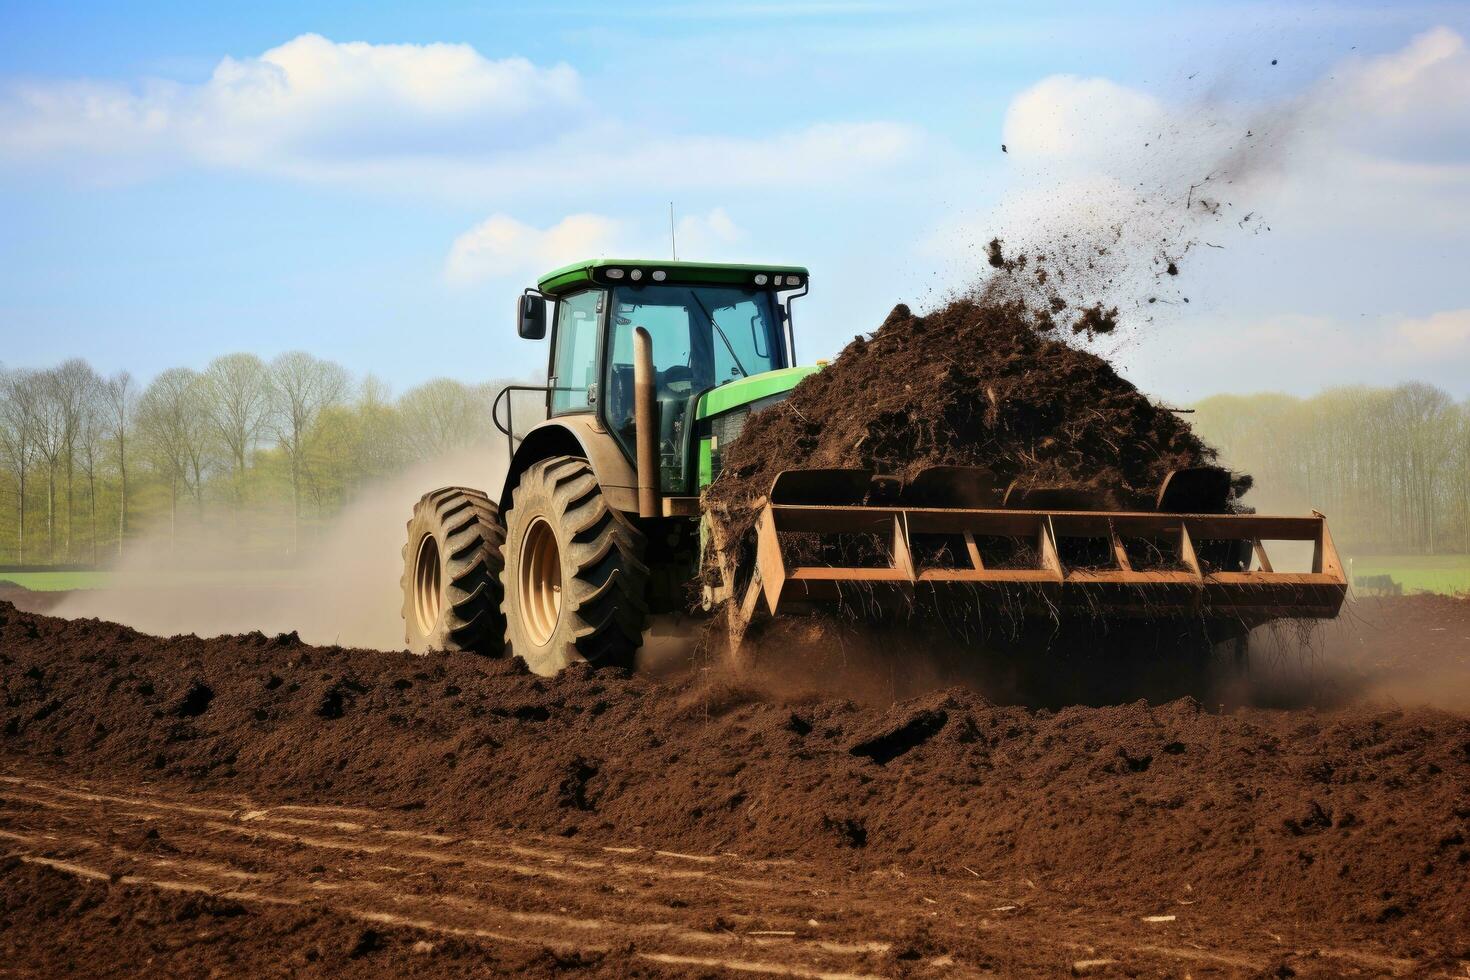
{"x": 654, "y": 368}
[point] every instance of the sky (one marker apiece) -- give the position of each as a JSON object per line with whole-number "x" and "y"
{"x": 376, "y": 183}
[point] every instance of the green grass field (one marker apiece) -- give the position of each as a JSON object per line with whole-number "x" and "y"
{"x": 57, "y": 581}
{"x": 1446, "y": 574}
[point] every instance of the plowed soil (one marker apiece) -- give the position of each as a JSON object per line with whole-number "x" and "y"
{"x": 253, "y": 804}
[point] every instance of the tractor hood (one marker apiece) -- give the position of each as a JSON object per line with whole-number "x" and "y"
{"x": 756, "y": 388}
{"x": 721, "y": 412}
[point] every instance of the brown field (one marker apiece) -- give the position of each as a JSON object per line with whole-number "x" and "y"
{"x": 254, "y": 804}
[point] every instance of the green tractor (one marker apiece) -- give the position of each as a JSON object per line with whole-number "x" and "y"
{"x": 654, "y": 367}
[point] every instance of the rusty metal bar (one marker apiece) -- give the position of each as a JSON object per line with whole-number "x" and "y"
{"x": 976, "y": 562}
{"x": 1187, "y": 554}
{"x": 1120, "y": 555}
{"x": 1046, "y": 546}
{"x": 1123, "y": 589}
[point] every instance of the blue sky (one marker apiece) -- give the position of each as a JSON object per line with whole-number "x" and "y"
{"x": 183, "y": 180}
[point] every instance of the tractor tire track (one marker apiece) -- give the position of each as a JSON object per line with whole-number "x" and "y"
{"x": 666, "y": 910}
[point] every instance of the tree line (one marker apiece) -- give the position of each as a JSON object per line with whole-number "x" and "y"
{"x": 1390, "y": 467}
{"x": 263, "y": 451}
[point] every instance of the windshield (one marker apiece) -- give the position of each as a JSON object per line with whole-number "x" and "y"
{"x": 703, "y": 337}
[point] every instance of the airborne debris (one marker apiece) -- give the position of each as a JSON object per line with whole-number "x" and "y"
{"x": 993, "y": 254}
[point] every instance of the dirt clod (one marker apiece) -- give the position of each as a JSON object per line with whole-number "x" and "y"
{"x": 195, "y": 700}
{"x": 895, "y": 741}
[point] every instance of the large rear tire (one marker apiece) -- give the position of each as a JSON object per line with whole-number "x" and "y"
{"x": 574, "y": 582}
{"x": 451, "y": 573}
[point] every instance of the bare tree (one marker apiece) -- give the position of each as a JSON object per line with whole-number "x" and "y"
{"x": 19, "y": 404}
{"x": 1426, "y": 418}
{"x": 237, "y": 391}
{"x": 73, "y": 385}
{"x": 51, "y": 439}
{"x": 444, "y": 414}
{"x": 173, "y": 428}
{"x": 379, "y": 447}
{"x": 302, "y": 387}
{"x": 119, "y": 397}
{"x": 1387, "y": 464}
{"x": 91, "y": 439}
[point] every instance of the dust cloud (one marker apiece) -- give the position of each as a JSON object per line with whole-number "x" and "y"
{"x": 1410, "y": 651}
{"x": 345, "y": 591}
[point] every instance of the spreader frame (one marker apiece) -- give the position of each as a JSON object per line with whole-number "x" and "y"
{"x": 1256, "y": 595}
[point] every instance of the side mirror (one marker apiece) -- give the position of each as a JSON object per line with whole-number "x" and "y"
{"x": 531, "y": 316}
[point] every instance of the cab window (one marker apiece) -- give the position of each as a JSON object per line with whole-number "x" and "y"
{"x": 574, "y": 352}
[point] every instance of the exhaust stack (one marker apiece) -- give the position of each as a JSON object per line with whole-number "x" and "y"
{"x": 645, "y": 420}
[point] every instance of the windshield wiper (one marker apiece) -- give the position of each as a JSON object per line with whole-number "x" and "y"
{"x": 712, "y": 322}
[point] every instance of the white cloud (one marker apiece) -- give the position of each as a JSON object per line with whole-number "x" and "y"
{"x": 1429, "y": 75}
{"x": 710, "y": 237}
{"x": 308, "y": 100}
{"x": 1445, "y": 334}
{"x": 1064, "y": 117}
{"x": 430, "y": 118}
{"x": 501, "y": 246}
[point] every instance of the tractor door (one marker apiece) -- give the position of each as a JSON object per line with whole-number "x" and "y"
{"x": 573, "y": 373}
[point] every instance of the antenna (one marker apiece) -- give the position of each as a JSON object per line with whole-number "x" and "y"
{"x": 673, "y": 245}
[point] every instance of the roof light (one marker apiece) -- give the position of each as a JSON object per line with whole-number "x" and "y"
{"x": 615, "y": 273}
{"x": 793, "y": 280}
{"x": 760, "y": 278}
{"x": 660, "y": 276}
{"x": 636, "y": 274}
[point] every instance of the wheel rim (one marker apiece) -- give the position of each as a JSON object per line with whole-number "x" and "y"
{"x": 540, "y": 582}
{"x": 427, "y": 599}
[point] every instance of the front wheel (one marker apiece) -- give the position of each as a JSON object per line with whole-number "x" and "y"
{"x": 574, "y": 579}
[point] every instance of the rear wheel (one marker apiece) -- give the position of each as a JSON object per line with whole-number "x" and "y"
{"x": 451, "y": 573}
{"x": 574, "y": 580}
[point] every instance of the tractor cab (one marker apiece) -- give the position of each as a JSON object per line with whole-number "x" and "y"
{"x": 710, "y": 328}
